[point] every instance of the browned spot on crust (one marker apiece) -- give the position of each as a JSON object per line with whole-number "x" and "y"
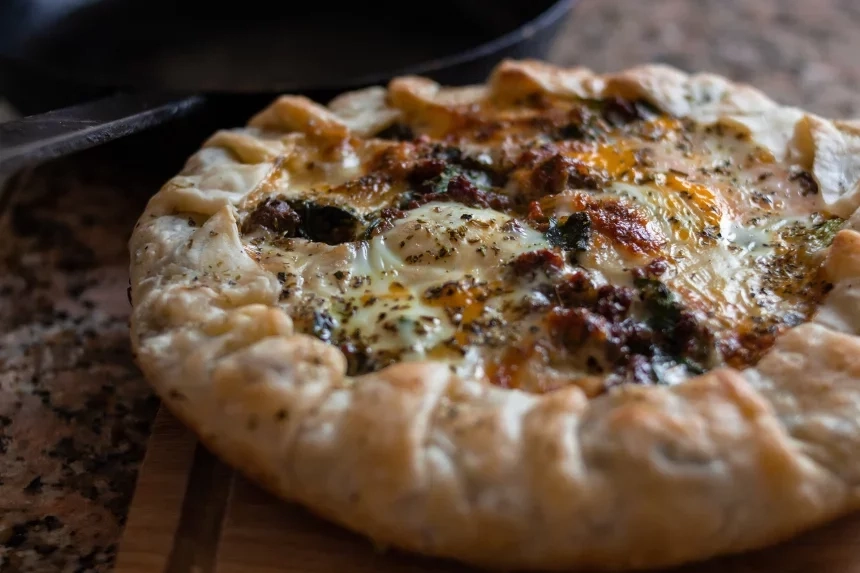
{"x": 558, "y": 173}
{"x": 744, "y": 347}
{"x": 396, "y": 161}
{"x": 366, "y": 190}
{"x": 573, "y": 327}
{"x": 623, "y": 224}
{"x": 546, "y": 260}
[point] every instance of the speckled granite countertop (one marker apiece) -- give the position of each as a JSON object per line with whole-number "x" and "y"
{"x": 74, "y": 411}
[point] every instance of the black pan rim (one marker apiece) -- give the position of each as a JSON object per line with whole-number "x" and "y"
{"x": 534, "y": 26}
{"x": 523, "y": 32}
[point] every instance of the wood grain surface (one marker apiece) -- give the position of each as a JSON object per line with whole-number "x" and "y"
{"x": 193, "y": 514}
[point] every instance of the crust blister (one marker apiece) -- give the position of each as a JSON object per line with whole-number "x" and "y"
{"x": 637, "y": 477}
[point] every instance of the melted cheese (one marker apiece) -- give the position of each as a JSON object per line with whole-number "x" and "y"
{"x": 479, "y": 288}
{"x": 383, "y": 292}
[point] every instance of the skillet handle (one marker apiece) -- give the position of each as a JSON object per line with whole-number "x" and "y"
{"x": 36, "y": 138}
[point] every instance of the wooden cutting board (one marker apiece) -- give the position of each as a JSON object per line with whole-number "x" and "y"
{"x": 193, "y": 514}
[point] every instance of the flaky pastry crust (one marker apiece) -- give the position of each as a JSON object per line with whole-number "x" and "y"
{"x": 420, "y": 458}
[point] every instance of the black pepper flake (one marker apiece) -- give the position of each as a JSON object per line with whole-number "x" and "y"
{"x": 711, "y": 232}
{"x": 281, "y": 415}
{"x": 282, "y": 277}
{"x": 808, "y": 184}
{"x": 339, "y": 275}
{"x": 323, "y": 325}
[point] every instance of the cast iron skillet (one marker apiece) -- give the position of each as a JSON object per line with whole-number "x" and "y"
{"x": 115, "y": 67}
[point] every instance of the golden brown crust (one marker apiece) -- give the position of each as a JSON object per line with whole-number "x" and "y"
{"x": 416, "y": 456}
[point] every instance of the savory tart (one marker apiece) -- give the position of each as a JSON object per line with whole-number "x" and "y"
{"x": 558, "y": 320}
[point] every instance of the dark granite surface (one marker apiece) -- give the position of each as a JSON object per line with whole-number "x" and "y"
{"x": 74, "y": 411}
